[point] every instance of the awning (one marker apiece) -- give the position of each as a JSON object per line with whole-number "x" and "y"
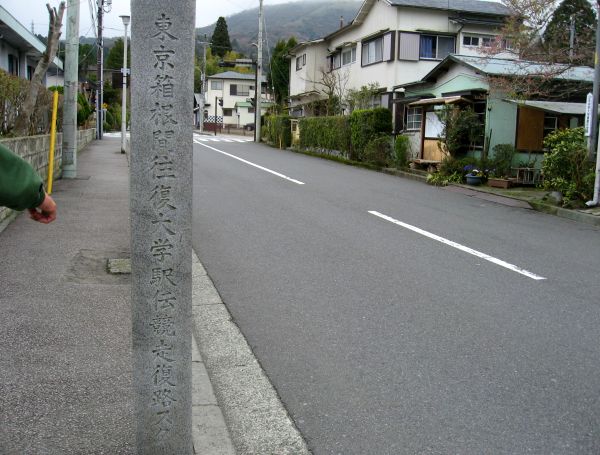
{"x": 555, "y": 107}
{"x": 441, "y": 100}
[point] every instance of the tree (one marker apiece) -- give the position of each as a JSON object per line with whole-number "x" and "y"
{"x": 557, "y": 34}
{"x": 87, "y": 57}
{"x": 114, "y": 60}
{"x": 279, "y": 76}
{"x": 363, "y": 98}
{"x": 536, "y": 73}
{"x": 220, "y": 43}
{"x": 23, "y": 122}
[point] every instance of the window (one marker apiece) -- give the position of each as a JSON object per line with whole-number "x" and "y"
{"x": 378, "y": 50}
{"x": 13, "y": 65}
{"x": 349, "y": 56}
{"x": 216, "y": 85}
{"x": 239, "y": 90}
{"x": 470, "y": 41}
{"x": 336, "y": 61}
{"x": 227, "y": 112}
{"x": 408, "y": 46}
{"x": 436, "y": 47}
{"x": 550, "y": 124}
{"x": 300, "y": 61}
{"x": 476, "y": 41}
{"x": 414, "y": 118}
{"x": 487, "y": 41}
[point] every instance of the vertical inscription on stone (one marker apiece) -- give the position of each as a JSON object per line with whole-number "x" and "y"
{"x": 161, "y": 181}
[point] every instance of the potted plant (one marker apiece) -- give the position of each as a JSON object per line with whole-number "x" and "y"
{"x": 473, "y": 175}
{"x": 500, "y": 176}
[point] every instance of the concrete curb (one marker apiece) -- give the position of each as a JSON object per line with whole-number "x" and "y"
{"x": 257, "y": 420}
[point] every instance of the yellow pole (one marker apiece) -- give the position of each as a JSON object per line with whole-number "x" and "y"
{"x": 52, "y": 141}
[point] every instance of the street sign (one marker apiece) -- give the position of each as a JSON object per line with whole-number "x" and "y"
{"x": 588, "y": 114}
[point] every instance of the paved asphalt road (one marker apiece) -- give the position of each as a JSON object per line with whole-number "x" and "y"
{"x": 382, "y": 338}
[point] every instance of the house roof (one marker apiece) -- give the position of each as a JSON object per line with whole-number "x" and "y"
{"x": 491, "y": 66}
{"x": 441, "y": 100}
{"x": 17, "y": 35}
{"x": 263, "y": 103}
{"x": 477, "y": 7}
{"x": 467, "y": 6}
{"x": 299, "y": 46}
{"x": 236, "y": 75}
{"x": 555, "y": 107}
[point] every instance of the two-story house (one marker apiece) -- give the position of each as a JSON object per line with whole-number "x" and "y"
{"x": 391, "y": 42}
{"x": 20, "y": 51}
{"x": 228, "y": 98}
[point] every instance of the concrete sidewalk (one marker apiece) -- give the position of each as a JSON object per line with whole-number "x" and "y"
{"x": 66, "y": 364}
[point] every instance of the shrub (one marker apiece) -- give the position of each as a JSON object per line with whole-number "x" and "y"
{"x": 501, "y": 163}
{"x": 566, "y": 167}
{"x": 366, "y": 125}
{"x": 439, "y": 179}
{"x": 84, "y": 110}
{"x": 451, "y": 165}
{"x": 329, "y": 133}
{"x": 379, "y": 150}
{"x": 462, "y": 128}
{"x": 401, "y": 149}
{"x": 277, "y": 130}
{"x": 12, "y": 94}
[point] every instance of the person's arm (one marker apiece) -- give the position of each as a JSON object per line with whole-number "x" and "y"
{"x": 22, "y": 188}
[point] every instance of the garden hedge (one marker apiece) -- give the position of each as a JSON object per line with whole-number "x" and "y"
{"x": 367, "y": 125}
{"x": 329, "y": 133}
{"x": 277, "y": 130}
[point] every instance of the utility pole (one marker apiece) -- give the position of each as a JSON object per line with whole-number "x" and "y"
{"x": 202, "y": 98}
{"x": 216, "y": 99}
{"x": 594, "y": 137}
{"x": 99, "y": 73}
{"x": 258, "y": 88}
{"x": 125, "y": 71}
{"x": 71, "y": 89}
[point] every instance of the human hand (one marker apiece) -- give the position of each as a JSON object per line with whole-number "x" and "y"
{"x": 45, "y": 212}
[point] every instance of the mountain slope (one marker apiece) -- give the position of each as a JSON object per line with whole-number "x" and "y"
{"x": 305, "y": 20}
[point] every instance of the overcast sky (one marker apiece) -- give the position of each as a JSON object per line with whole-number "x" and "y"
{"x": 207, "y": 12}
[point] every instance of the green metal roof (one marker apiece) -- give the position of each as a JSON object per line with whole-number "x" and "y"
{"x": 491, "y": 66}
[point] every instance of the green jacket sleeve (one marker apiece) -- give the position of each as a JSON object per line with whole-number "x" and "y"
{"x": 20, "y": 186}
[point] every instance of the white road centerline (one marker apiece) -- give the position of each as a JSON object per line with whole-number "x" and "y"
{"x": 458, "y": 246}
{"x": 262, "y": 168}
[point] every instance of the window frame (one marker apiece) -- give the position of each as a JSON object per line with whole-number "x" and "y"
{"x": 239, "y": 90}
{"x": 216, "y": 82}
{"x": 300, "y": 61}
{"x": 414, "y": 117}
{"x": 549, "y": 129}
{"x": 383, "y": 47}
{"x": 470, "y": 38}
{"x": 436, "y": 47}
{"x": 351, "y": 51}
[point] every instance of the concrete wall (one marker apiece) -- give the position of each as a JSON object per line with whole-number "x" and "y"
{"x": 35, "y": 149}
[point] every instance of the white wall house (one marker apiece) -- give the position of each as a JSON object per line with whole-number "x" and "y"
{"x": 392, "y": 42}
{"x": 235, "y": 90}
{"x": 20, "y": 51}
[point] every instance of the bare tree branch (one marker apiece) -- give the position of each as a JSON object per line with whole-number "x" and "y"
{"x": 23, "y": 124}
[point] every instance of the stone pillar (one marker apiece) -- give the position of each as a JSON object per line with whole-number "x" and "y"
{"x": 162, "y": 51}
